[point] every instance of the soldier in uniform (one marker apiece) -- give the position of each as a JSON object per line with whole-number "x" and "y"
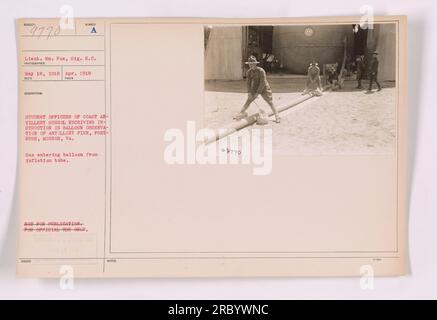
{"x": 361, "y": 68}
{"x": 257, "y": 85}
{"x": 314, "y": 83}
{"x": 373, "y": 72}
{"x": 333, "y": 77}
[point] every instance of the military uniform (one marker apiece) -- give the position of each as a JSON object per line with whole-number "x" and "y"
{"x": 373, "y": 72}
{"x": 332, "y": 75}
{"x": 361, "y": 68}
{"x": 314, "y": 82}
{"x": 257, "y": 85}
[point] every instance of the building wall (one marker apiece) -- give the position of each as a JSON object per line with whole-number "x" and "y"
{"x": 296, "y": 50}
{"x": 385, "y": 44}
{"x": 224, "y": 51}
{"x": 223, "y": 54}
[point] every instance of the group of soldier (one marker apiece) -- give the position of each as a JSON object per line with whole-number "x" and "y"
{"x": 257, "y": 84}
{"x": 334, "y": 77}
{"x": 373, "y": 71}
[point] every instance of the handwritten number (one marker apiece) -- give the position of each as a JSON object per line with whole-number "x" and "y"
{"x": 45, "y": 31}
{"x": 33, "y": 30}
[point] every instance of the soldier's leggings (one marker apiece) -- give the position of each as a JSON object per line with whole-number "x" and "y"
{"x": 360, "y": 76}
{"x": 374, "y": 77}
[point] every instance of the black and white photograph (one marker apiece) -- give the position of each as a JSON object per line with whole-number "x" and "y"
{"x": 218, "y": 159}
{"x": 322, "y": 89}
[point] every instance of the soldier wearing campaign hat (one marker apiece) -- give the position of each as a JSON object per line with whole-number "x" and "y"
{"x": 257, "y": 84}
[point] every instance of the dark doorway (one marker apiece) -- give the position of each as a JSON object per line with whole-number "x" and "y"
{"x": 258, "y": 41}
{"x": 360, "y": 40}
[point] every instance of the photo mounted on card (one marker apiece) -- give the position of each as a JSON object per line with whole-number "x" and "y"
{"x": 179, "y": 147}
